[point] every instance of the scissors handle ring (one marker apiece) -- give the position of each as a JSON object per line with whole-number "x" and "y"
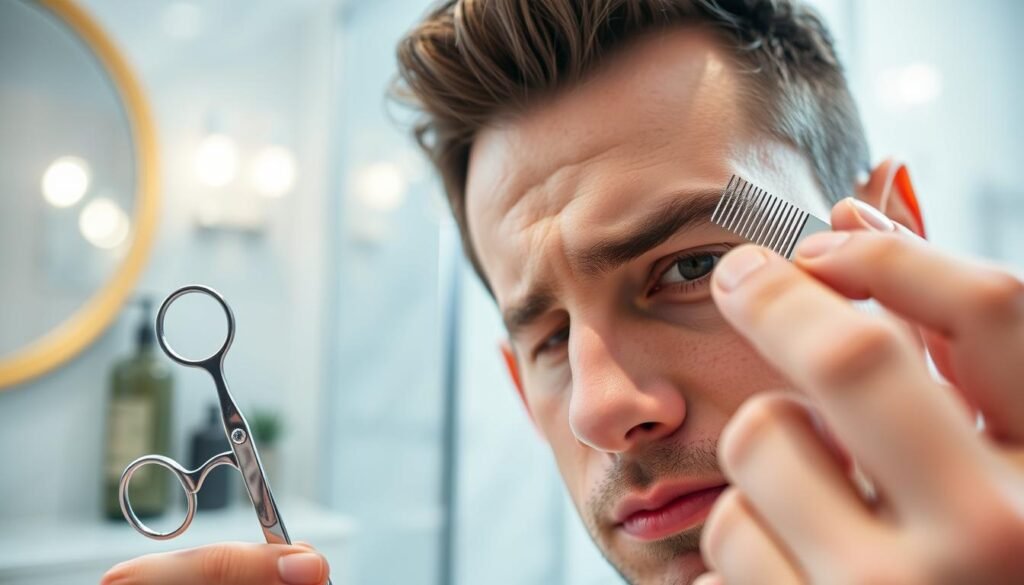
{"x": 216, "y": 358}
{"x": 183, "y": 477}
{"x": 191, "y": 482}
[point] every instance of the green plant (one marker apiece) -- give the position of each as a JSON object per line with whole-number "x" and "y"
{"x": 267, "y": 426}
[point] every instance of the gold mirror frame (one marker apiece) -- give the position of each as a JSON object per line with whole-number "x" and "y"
{"x": 88, "y": 322}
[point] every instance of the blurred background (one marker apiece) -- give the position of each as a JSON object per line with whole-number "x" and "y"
{"x": 365, "y": 347}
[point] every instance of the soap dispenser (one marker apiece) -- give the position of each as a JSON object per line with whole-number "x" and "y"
{"x": 139, "y": 423}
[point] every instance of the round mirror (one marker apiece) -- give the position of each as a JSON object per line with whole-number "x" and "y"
{"x": 78, "y": 183}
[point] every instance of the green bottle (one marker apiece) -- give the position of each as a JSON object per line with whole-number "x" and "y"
{"x": 139, "y": 423}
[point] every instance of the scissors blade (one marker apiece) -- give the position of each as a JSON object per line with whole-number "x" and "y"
{"x": 259, "y": 489}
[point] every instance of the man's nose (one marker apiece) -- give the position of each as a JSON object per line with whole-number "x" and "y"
{"x": 619, "y": 401}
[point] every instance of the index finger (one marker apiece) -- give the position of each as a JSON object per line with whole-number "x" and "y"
{"x": 977, "y": 309}
{"x": 865, "y": 373}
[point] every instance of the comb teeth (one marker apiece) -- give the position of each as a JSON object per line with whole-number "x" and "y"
{"x": 762, "y": 218}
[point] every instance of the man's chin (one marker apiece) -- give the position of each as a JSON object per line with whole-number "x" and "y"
{"x": 674, "y": 560}
{"x": 682, "y": 570}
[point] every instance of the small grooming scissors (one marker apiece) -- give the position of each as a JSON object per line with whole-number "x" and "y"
{"x": 242, "y": 456}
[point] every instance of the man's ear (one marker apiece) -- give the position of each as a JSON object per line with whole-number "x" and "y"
{"x": 888, "y": 189}
{"x": 512, "y": 363}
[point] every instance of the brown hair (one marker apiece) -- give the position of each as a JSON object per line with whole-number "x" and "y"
{"x": 469, "y": 62}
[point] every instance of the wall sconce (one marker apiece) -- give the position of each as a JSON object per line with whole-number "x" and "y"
{"x": 237, "y": 205}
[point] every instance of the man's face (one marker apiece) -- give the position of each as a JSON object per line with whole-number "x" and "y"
{"x": 590, "y": 218}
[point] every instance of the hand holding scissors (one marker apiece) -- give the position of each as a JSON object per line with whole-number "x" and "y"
{"x": 242, "y": 456}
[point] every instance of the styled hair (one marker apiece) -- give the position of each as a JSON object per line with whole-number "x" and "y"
{"x": 469, "y": 63}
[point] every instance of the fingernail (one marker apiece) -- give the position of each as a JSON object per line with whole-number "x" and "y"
{"x": 737, "y": 266}
{"x": 301, "y": 569}
{"x": 821, "y": 243}
{"x": 870, "y": 217}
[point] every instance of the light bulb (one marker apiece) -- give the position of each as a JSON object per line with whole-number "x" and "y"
{"x": 273, "y": 171}
{"x": 104, "y": 224}
{"x": 216, "y": 161}
{"x": 381, "y": 186}
{"x": 65, "y": 181}
{"x": 916, "y": 84}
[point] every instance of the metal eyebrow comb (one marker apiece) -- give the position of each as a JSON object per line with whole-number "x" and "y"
{"x": 765, "y": 219}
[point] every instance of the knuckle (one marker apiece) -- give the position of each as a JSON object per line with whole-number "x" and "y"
{"x": 998, "y": 296}
{"x": 880, "y": 247}
{"x": 222, "y": 563}
{"x": 852, "y": 353}
{"x": 883, "y": 251}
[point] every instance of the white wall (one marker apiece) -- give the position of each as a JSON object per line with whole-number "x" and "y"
{"x": 383, "y": 443}
{"x": 969, "y": 140}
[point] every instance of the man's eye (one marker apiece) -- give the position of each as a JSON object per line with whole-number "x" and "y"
{"x": 553, "y": 342}
{"x": 689, "y": 268}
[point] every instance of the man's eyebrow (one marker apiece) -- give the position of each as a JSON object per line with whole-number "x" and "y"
{"x": 527, "y": 311}
{"x": 684, "y": 210}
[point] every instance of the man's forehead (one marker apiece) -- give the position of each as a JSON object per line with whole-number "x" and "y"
{"x": 648, "y": 94}
{"x": 585, "y": 156}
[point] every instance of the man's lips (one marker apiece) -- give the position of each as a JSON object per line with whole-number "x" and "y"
{"x": 666, "y": 511}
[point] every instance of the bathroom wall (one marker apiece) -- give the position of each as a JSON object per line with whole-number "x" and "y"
{"x": 940, "y": 86}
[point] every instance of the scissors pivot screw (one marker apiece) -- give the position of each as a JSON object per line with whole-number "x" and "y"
{"x": 238, "y": 436}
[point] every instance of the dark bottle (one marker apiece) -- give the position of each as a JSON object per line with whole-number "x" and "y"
{"x": 207, "y": 442}
{"x": 139, "y": 423}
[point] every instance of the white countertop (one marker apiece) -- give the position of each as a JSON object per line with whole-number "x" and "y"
{"x": 72, "y": 552}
